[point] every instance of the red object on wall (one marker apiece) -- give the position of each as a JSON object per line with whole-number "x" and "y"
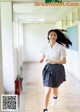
{"x": 17, "y": 87}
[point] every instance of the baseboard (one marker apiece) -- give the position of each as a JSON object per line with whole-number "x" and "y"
{"x": 30, "y": 62}
{"x": 9, "y": 92}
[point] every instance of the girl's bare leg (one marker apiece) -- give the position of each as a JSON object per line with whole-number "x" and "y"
{"x": 55, "y": 91}
{"x": 46, "y": 97}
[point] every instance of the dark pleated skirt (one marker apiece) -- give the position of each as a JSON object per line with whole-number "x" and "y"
{"x": 53, "y": 75}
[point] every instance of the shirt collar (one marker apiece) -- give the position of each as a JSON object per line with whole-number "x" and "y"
{"x": 55, "y": 45}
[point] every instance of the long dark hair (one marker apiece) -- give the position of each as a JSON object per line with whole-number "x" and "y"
{"x": 62, "y": 38}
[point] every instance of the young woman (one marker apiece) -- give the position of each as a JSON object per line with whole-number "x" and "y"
{"x": 53, "y": 72}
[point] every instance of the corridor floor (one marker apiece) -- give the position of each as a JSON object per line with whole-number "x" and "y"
{"x": 69, "y": 91}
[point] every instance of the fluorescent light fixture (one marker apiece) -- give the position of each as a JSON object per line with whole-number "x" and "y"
{"x": 41, "y": 19}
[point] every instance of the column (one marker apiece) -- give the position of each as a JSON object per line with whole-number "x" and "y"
{"x": 7, "y": 46}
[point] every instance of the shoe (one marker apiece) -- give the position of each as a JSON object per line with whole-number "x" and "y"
{"x": 53, "y": 103}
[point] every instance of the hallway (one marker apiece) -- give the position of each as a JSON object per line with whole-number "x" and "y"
{"x": 24, "y": 30}
{"x": 69, "y": 92}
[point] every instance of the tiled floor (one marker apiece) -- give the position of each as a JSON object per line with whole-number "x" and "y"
{"x": 69, "y": 92}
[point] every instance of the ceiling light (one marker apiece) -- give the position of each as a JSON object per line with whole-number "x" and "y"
{"x": 41, "y": 19}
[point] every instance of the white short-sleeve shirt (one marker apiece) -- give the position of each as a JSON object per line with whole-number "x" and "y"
{"x": 56, "y": 52}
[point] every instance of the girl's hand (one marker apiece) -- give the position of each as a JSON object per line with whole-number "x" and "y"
{"x": 41, "y": 60}
{"x": 50, "y": 61}
{"x": 63, "y": 61}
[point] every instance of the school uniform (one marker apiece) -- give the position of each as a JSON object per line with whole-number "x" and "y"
{"x": 53, "y": 74}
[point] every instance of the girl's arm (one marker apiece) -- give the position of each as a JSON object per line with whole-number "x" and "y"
{"x": 42, "y": 59}
{"x": 62, "y": 61}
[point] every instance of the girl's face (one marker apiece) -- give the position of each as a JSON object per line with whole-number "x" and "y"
{"x": 53, "y": 36}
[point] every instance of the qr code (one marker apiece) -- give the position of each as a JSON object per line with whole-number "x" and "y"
{"x": 9, "y": 103}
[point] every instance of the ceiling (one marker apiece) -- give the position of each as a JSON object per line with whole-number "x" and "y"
{"x": 25, "y": 11}
{"x": 28, "y": 12}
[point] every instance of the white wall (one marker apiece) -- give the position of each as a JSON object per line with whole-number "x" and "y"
{"x": 72, "y": 64}
{"x": 79, "y": 45}
{"x": 58, "y": 25}
{"x": 35, "y": 36}
{"x": 7, "y": 46}
{"x": 1, "y": 68}
{"x": 18, "y": 47}
{"x": 73, "y": 59}
{"x": 21, "y": 45}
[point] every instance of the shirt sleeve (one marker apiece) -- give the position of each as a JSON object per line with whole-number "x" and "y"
{"x": 63, "y": 52}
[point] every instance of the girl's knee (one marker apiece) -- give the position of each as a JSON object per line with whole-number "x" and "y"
{"x": 55, "y": 91}
{"x": 48, "y": 91}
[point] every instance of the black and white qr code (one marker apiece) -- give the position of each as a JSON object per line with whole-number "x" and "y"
{"x": 9, "y": 103}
